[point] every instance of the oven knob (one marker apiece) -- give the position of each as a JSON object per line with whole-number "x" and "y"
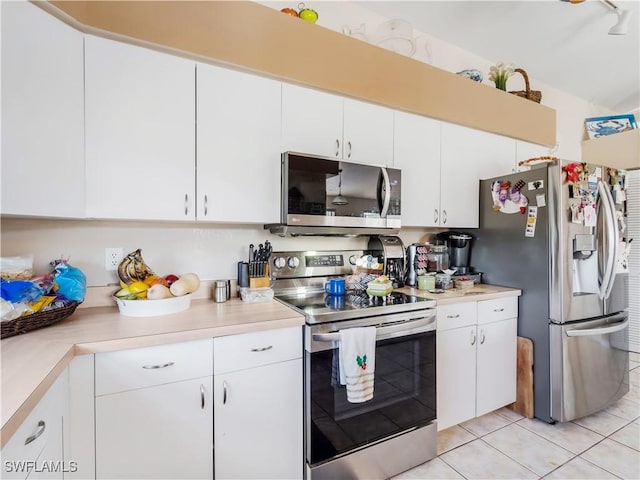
{"x": 352, "y": 259}
{"x": 279, "y": 262}
{"x": 293, "y": 262}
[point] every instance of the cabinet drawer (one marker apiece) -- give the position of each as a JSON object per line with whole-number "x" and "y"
{"x": 145, "y": 367}
{"x": 237, "y": 352}
{"x": 456, "y": 315}
{"x": 497, "y": 309}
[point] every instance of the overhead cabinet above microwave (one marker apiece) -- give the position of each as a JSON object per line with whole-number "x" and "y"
{"x": 324, "y": 196}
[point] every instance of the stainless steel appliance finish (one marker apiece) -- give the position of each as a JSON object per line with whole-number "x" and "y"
{"x": 459, "y": 245}
{"x": 325, "y": 196}
{"x": 390, "y": 250}
{"x": 567, "y": 273}
{"x": 396, "y": 429}
{"x": 412, "y": 273}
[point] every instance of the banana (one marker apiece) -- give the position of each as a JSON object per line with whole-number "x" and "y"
{"x": 132, "y": 268}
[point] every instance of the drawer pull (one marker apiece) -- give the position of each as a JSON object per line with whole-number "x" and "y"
{"x": 40, "y": 431}
{"x": 154, "y": 367}
{"x": 263, "y": 349}
{"x": 224, "y": 392}
{"x": 202, "y": 396}
{"x": 457, "y": 315}
{"x": 498, "y": 309}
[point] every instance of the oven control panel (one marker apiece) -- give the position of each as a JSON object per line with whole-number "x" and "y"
{"x": 312, "y": 263}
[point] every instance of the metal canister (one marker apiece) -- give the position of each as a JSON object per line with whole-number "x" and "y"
{"x": 220, "y": 289}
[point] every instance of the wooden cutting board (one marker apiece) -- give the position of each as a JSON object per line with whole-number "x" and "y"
{"x": 524, "y": 389}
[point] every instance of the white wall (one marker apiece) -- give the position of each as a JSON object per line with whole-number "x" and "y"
{"x": 213, "y": 251}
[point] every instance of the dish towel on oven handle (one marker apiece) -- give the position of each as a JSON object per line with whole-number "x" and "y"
{"x": 358, "y": 362}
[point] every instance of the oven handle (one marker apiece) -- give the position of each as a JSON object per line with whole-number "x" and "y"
{"x": 423, "y": 324}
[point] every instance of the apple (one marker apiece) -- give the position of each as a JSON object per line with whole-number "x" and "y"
{"x": 309, "y": 15}
{"x": 170, "y": 279}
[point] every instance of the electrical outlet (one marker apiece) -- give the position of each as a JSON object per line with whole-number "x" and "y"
{"x": 112, "y": 258}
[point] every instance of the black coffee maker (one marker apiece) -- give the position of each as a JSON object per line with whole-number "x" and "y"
{"x": 390, "y": 251}
{"x": 459, "y": 245}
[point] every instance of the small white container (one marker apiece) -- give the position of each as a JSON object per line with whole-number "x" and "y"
{"x": 153, "y": 308}
{"x": 256, "y": 295}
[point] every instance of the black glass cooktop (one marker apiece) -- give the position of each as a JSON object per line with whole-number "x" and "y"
{"x": 320, "y": 307}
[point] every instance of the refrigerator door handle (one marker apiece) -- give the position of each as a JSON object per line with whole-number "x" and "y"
{"x": 598, "y": 331}
{"x": 611, "y": 233}
{"x": 616, "y": 242}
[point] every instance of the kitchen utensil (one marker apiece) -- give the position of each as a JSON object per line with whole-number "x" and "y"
{"x": 220, "y": 291}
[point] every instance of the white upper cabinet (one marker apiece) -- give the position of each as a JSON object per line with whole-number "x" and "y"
{"x": 327, "y": 125}
{"x": 140, "y": 133}
{"x": 416, "y": 151}
{"x": 368, "y": 133}
{"x": 311, "y": 121}
{"x": 468, "y": 156}
{"x": 42, "y": 114}
{"x": 238, "y": 146}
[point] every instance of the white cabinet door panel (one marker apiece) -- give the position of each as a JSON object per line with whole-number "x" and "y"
{"x": 416, "y": 151}
{"x": 497, "y": 364}
{"x": 368, "y": 133}
{"x": 239, "y": 127}
{"x": 311, "y": 121}
{"x": 42, "y": 114}
{"x": 140, "y": 132}
{"x": 157, "y": 432}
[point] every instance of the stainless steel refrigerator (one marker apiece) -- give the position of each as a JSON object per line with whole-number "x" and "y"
{"x": 557, "y": 232}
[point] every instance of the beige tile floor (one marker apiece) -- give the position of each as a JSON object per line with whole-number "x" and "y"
{"x": 504, "y": 444}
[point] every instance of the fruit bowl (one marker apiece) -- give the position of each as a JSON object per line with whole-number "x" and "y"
{"x": 153, "y": 308}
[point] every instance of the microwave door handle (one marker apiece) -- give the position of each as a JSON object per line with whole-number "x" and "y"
{"x": 386, "y": 186}
{"x": 615, "y": 242}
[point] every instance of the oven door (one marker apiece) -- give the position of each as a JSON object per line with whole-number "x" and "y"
{"x": 404, "y": 395}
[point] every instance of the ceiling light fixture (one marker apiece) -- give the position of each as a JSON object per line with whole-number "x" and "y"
{"x": 622, "y": 25}
{"x": 340, "y": 200}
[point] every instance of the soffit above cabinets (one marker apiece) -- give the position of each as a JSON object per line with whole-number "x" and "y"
{"x": 252, "y": 37}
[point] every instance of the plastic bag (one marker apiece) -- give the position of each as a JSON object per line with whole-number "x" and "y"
{"x": 70, "y": 280}
{"x": 16, "y": 291}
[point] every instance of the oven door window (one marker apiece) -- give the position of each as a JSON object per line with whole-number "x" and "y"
{"x": 404, "y": 397}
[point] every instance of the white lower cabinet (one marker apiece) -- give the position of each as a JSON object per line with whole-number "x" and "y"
{"x": 154, "y": 412}
{"x": 36, "y": 450}
{"x": 258, "y": 405}
{"x": 476, "y": 359}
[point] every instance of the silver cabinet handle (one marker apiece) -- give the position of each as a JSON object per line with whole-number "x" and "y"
{"x": 202, "y": 396}
{"x": 435, "y": 215}
{"x": 498, "y": 309}
{"x": 457, "y": 315}
{"x": 186, "y": 204}
{"x": 206, "y": 205}
{"x": 224, "y": 392}
{"x": 473, "y": 337}
{"x": 349, "y": 149}
{"x": 39, "y": 431}
{"x": 263, "y": 349}
{"x": 337, "y": 147}
{"x": 444, "y": 217}
{"x": 154, "y": 367}
{"x": 482, "y": 337}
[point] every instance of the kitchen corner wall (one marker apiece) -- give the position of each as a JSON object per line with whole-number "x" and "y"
{"x": 211, "y": 251}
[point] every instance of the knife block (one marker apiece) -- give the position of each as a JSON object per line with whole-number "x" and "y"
{"x": 259, "y": 282}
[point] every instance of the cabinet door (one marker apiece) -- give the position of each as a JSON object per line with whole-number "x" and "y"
{"x": 36, "y": 449}
{"x": 156, "y": 432}
{"x": 311, "y": 121}
{"x": 368, "y": 133}
{"x": 239, "y": 124}
{"x": 416, "y": 151}
{"x": 497, "y": 365}
{"x": 42, "y": 114}
{"x": 258, "y": 422}
{"x": 456, "y": 376}
{"x": 140, "y": 132}
{"x": 467, "y": 157}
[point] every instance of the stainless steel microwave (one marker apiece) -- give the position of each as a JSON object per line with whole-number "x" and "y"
{"x": 325, "y": 196}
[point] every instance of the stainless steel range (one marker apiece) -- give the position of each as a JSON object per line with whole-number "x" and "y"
{"x": 396, "y": 429}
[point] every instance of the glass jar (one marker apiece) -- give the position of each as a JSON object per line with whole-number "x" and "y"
{"x": 437, "y": 258}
